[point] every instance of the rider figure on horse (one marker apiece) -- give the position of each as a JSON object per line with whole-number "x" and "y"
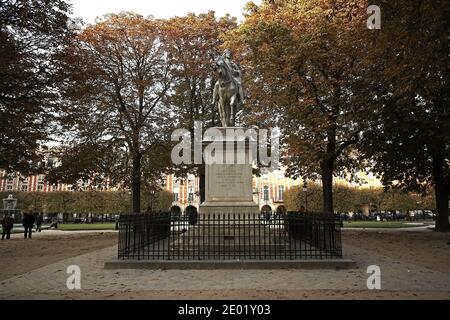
{"x": 235, "y": 71}
{"x": 228, "y": 90}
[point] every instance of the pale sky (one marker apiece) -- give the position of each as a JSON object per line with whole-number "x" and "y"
{"x": 88, "y": 10}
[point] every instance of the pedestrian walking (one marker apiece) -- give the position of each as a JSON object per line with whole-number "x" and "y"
{"x": 28, "y": 222}
{"x": 7, "y": 226}
{"x": 39, "y": 221}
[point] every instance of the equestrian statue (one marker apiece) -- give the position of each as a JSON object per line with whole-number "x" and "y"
{"x": 228, "y": 93}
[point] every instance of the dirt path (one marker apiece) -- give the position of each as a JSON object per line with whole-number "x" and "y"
{"x": 423, "y": 248}
{"x": 20, "y": 255}
{"x": 414, "y": 265}
{"x": 238, "y": 295}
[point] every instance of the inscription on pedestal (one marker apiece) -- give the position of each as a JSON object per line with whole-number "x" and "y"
{"x": 229, "y": 177}
{"x": 228, "y": 187}
{"x": 229, "y": 182}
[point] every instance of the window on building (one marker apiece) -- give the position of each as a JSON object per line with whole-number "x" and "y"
{"x": 176, "y": 197}
{"x": 9, "y": 187}
{"x": 190, "y": 197}
{"x": 266, "y": 193}
{"x": 25, "y": 188}
{"x": 40, "y": 187}
{"x": 281, "y": 193}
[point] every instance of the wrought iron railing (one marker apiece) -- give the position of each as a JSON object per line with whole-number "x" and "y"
{"x": 161, "y": 236}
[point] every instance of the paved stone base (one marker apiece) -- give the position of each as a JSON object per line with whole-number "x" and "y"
{"x": 336, "y": 264}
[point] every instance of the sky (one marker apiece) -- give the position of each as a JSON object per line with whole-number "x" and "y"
{"x": 88, "y": 10}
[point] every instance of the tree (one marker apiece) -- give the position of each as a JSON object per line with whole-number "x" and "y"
{"x": 295, "y": 197}
{"x": 85, "y": 202}
{"x": 158, "y": 200}
{"x": 117, "y": 114}
{"x": 408, "y": 131}
{"x": 349, "y": 199}
{"x": 32, "y": 36}
{"x": 303, "y": 59}
{"x": 346, "y": 199}
{"x": 191, "y": 42}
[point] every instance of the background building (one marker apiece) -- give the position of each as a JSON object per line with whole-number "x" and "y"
{"x": 268, "y": 189}
{"x": 37, "y": 183}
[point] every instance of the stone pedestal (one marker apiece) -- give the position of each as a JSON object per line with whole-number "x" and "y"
{"x": 228, "y": 186}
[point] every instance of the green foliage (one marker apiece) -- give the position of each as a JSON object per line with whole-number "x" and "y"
{"x": 347, "y": 199}
{"x": 96, "y": 202}
{"x": 160, "y": 200}
{"x": 295, "y": 197}
{"x": 32, "y": 36}
{"x": 84, "y": 226}
{"x": 407, "y": 133}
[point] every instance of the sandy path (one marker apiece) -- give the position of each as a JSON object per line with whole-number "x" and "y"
{"x": 238, "y": 295}
{"x": 413, "y": 266}
{"x": 19, "y": 255}
{"x": 423, "y": 248}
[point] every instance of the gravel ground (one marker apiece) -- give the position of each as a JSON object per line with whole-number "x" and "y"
{"x": 414, "y": 265}
{"x": 19, "y": 255}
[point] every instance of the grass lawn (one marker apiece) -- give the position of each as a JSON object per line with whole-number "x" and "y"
{"x": 72, "y": 227}
{"x": 84, "y": 226}
{"x": 20, "y": 229}
{"x": 13, "y": 231}
{"x": 380, "y": 224}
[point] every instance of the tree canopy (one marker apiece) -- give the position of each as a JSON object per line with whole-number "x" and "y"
{"x": 32, "y": 36}
{"x": 346, "y": 97}
{"x": 302, "y": 59}
{"x": 407, "y": 132}
{"x": 132, "y": 81}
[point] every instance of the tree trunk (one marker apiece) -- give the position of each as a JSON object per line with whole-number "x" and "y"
{"x": 442, "y": 197}
{"x": 442, "y": 192}
{"x": 136, "y": 183}
{"x": 202, "y": 186}
{"x": 327, "y": 185}
{"x": 327, "y": 166}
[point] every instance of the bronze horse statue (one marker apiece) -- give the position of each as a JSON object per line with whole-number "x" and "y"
{"x": 227, "y": 91}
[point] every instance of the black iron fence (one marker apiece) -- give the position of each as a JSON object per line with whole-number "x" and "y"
{"x": 161, "y": 236}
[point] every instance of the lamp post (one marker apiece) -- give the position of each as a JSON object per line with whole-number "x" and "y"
{"x": 152, "y": 198}
{"x": 256, "y": 192}
{"x": 305, "y": 190}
